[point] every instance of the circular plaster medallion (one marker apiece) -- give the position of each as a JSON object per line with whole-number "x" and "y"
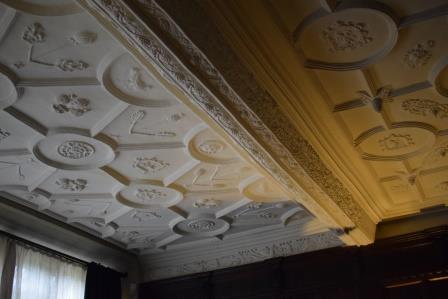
{"x": 124, "y": 78}
{"x": 206, "y": 147}
{"x": 73, "y": 152}
{"x": 45, "y": 7}
{"x": 397, "y": 144}
{"x": 201, "y": 227}
{"x": 143, "y": 196}
{"x": 348, "y": 39}
{"x": 8, "y": 92}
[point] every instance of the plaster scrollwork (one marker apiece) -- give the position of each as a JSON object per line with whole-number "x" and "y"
{"x": 140, "y": 115}
{"x": 206, "y": 203}
{"x": 419, "y": 54}
{"x": 75, "y": 149}
{"x": 17, "y": 166}
{"x": 346, "y": 36}
{"x": 425, "y": 107}
{"x": 73, "y": 104}
{"x": 35, "y": 34}
{"x": 4, "y": 134}
{"x": 153, "y": 164}
{"x": 396, "y": 141}
{"x": 294, "y": 150}
{"x": 75, "y": 185}
{"x": 142, "y": 216}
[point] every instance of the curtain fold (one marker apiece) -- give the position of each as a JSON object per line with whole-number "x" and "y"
{"x": 40, "y": 276}
{"x": 7, "y": 267}
{"x": 102, "y": 283}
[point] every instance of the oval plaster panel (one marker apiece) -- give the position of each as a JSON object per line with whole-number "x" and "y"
{"x": 201, "y": 227}
{"x": 143, "y": 196}
{"x": 124, "y": 78}
{"x": 8, "y": 92}
{"x": 210, "y": 148}
{"x": 73, "y": 152}
{"x": 347, "y": 39}
{"x": 397, "y": 144}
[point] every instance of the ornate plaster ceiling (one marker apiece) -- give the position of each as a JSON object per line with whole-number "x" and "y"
{"x": 91, "y": 137}
{"x": 378, "y": 72}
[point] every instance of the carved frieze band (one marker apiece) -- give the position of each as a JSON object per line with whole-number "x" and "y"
{"x": 247, "y": 255}
{"x": 263, "y": 116}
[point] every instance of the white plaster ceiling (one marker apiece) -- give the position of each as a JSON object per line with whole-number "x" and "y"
{"x": 383, "y": 67}
{"x": 90, "y": 137}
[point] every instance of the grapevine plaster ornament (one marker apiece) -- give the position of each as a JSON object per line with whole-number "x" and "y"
{"x": 261, "y": 210}
{"x": 145, "y": 165}
{"x": 73, "y": 104}
{"x": 35, "y": 34}
{"x": 346, "y": 36}
{"x": 382, "y": 95}
{"x": 150, "y": 195}
{"x": 83, "y": 38}
{"x": 72, "y": 184}
{"x": 419, "y": 55}
{"x": 425, "y": 107}
{"x": 202, "y": 225}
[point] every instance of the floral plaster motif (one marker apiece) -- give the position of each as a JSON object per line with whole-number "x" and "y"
{"x": 346, "y": 36}
{"x": 419, "y": 54}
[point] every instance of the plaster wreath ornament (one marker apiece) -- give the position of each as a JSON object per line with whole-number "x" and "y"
{"x": 74, "y": 149}
{"x": 396, "y": 142}
{"x": 211, "y": 147}
{"x": 145, "y": 165}
{"x": 419, "y": 55}
{"x": 202, "y": 225}
{"x": 72, "y": 184}
{"x": 150, "y": 195}
{"x": 73, "y": 104}
{"x": 136, "y": 81}
{"x": 425, "y": 107}
{"x": 35, "y": 34}
{"x": 346, "y": 36}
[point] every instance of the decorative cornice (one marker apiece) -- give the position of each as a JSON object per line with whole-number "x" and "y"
{"x": 240, "y": 92}
{"x": 242, "y": 256}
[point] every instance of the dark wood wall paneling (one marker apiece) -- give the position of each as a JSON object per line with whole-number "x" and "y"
{"x": 410, "y": 266}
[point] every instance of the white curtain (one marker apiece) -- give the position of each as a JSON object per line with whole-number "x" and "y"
{"x": 40, "y": 276}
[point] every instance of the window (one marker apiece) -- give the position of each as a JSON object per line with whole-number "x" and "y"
{"x": 41, "y": 276}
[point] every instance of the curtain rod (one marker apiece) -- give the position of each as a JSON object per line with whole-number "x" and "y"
{"x": 44, "y": 248}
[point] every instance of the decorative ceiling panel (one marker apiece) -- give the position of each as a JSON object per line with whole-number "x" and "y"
{"x": 379, "y": 73}
{"x": 90, "y": 137}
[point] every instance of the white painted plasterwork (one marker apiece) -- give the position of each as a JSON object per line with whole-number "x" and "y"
{"x": 92, "y": 138}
